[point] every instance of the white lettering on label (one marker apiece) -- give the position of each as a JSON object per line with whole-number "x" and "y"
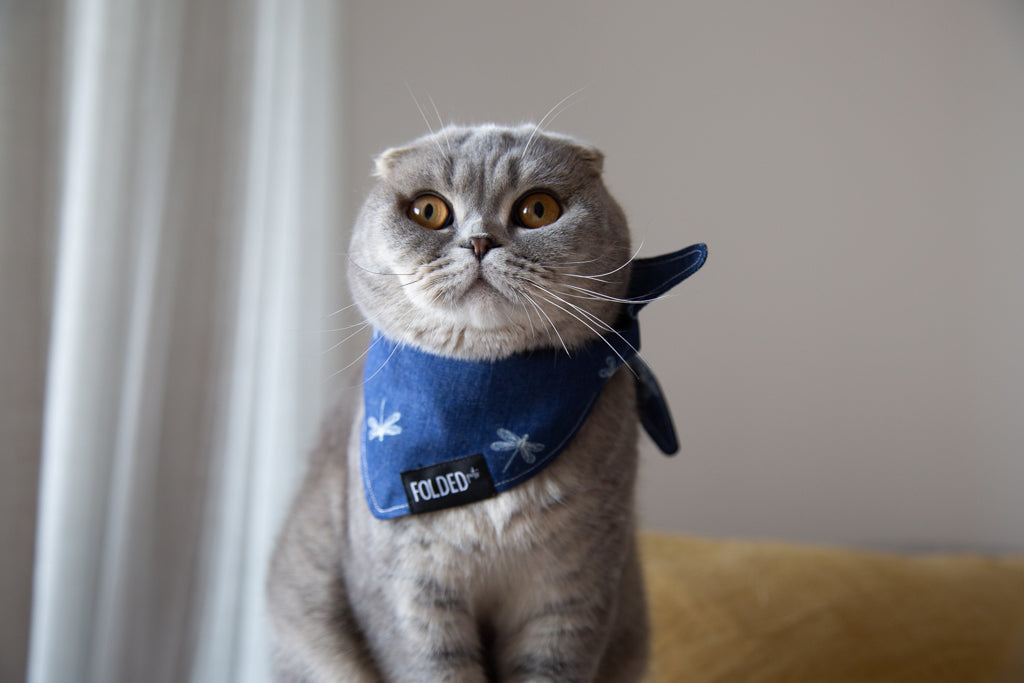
{"x": 439, "y": 487}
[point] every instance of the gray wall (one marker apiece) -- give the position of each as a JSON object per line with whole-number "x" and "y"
{"x": 849, "y": 367}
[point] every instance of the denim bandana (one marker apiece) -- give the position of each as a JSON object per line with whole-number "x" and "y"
{"x": 442, "y": 432}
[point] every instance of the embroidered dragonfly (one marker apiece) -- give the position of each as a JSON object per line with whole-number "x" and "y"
{"x": 519, "y": 445}
{"x": 378, "y": 429}
{"x": 610, "y": 366}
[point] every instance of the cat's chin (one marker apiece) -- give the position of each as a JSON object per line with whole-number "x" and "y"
{"x": 476, "y": 299}
{"x": 481, "y": 325}
{"x": 484, "y": 304}
{"x": 483, "y": 310}
{"x": 467, "y": 341}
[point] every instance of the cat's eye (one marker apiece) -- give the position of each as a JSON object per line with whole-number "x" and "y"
{"x": 430, "y": 211}
{"x": 536, "y": 210}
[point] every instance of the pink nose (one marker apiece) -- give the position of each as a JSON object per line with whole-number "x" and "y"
{"x": 481, "y": 245}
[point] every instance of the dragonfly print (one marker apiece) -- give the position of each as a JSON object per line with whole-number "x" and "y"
{"x": 519, "y": 445}
{"x": 378, "y": 429}
{"x": 610, "y": 366}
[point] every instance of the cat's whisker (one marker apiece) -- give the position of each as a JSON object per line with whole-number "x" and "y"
{"x": 611, "y": 329}
{"x": 594, "y": 330}
{"x": 513, "y": 324}
{"x": 539, "y": 160}
{"x": 440, "y": 122}
{"x": 550, "y": 292}
{"x": 413, "y": 282}
{"x": 382, "y": 365}
{"x": 595, "y": 276}
{"x": 362, "y": 327}
{"x": 588, "y": 277}
{"x": 424, "y": 115}
{"x": 628, "y": 261}
{"x": 340, "y": 310}
{"x": 529, "y": 317}
{"x": 374, "y": 272}
{"x": 361, "y": 323}
{"x": 438, "y": 295}
{"x": 590, "y": 316}
{"x": 518, "y": 300}
{"x": 551, "y": 111}
{"x": 400, "y": 321}
{"x": 566, "y": 264}
{"x": 591, "y": 294}
{"x": 541, "y": 311}
{"x": 520, "y": 295}
{"x": 356, "y": 360}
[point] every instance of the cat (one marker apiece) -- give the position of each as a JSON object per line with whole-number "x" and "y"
{"x": 476, "y": 244}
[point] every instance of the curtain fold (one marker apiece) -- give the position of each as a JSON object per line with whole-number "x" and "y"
{"x": 28, "y": 32}
{"x": 195, "y": 201}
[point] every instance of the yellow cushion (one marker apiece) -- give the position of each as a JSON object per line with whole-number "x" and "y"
{"x": 736, "y": 611}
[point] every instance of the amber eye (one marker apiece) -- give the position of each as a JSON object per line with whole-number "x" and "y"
{"x": 430, "y": 211}
{"x": 536, "y": 210}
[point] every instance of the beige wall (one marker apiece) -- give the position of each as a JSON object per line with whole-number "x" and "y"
{"x": 849, "y": 367}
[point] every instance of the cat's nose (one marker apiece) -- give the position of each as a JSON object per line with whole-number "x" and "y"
{"x": 480, "y": 244}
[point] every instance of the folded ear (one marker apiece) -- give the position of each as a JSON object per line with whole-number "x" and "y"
{"x": 385, "y": 163}
{"x": 592, "y": 156}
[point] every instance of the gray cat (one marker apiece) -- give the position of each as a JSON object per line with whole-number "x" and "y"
{"x": 476, "y": 245}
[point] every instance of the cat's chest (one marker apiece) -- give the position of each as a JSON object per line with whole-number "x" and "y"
{"x": 490, "y": 533}
{"x": 505, "y": 526}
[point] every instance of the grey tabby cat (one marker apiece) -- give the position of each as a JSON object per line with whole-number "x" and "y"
{"x": 472, "y": 245}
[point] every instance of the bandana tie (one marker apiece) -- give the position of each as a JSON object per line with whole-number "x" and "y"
{"x": 441, "y": 432}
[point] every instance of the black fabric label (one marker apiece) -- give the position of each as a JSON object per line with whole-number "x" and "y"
{"x": 447, "y": 484}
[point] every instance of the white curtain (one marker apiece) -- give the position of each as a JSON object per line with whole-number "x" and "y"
{"x": 188, "y": 179}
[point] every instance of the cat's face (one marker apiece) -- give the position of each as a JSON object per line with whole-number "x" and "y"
{"x": 486, "y": 241}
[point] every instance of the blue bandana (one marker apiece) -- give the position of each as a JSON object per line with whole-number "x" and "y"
{"x": 442, "y": 432}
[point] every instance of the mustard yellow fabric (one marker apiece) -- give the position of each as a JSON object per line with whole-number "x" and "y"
{"x": 735, "y": 611}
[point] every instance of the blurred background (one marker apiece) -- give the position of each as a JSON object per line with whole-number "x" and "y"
{"x": 177, "y": 182}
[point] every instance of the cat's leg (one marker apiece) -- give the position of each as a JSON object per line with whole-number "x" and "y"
{"x": 316, "y": 637}
{"x": 625, "y": 659}
{"x": 587, "y": 625}
{"x": 561, "y": 639}
{"x": 426, "y": 633}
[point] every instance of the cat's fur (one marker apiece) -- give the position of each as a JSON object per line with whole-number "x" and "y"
{"x": 542, "y": 582}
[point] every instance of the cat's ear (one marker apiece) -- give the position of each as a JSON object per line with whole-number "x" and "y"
{"x": 388, "y": 159}
{"x": 591, "y": 156}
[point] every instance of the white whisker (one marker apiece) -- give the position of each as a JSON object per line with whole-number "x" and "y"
{"x": 575, "y": 263}
{"x": 596, "y": 276}
{"x": 424, "y": 115}
{"x": 591, "y": 294}
{"x": 591, "y": 328}
{"x": 386, "y": 360}
{"x": 362, "y": 327}
{"x": 588, "y": 277}
{"x": 361, "y": 323}
{"x": 357, "y": 359}
{"x": 340, "y": 310}
{"x": 550, "y": 322}
{"x": 440, "y": 122}
{"x": 374, "y": 272}
{"x": 628, "y": 261}
{"x": 593, "y": 318}
{"x": 545, "y": 118}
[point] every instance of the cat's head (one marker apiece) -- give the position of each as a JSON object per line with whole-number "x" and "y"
{"x": 480, "y": 242}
